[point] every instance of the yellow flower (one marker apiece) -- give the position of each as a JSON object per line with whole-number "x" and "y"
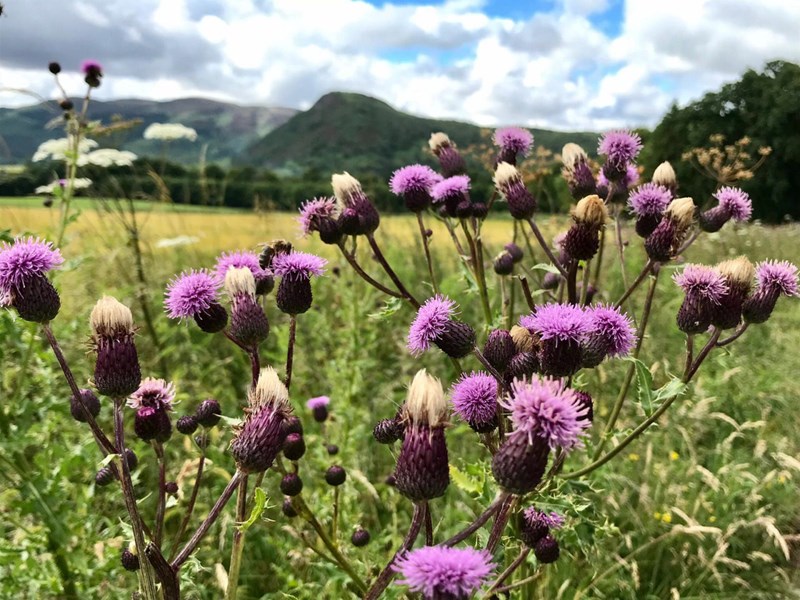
{"x": 633, "y": 457}
{"x": 781, "y": 478}
{"x": 712, "y": 519}
{"x": 657, "y": 516}
{"x": 666, "y": 517}
{"x": 674, "y": 455}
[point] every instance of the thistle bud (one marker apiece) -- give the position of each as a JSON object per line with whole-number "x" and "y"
{"x": 663, "y": 243}
{"x": 288, "y": 509}
{"x": 186, "y": 425}
{"x": 292, "y": 424}
{"x": 535, "y": 525}
{"x": 547, "y": 550}
{"x": 291, "y": 484}
{"x": 499, "y": 349}
{"x": 586, "y": 402}
{"x": 54, "y": 68}
{"x": 480, "y": 210}
{"x": 508, "y": 181}
{"x": 423, "y": 472}
{"x": 349, "y": 195}
{"x": 295, "y": 269}
{"x": 104, "y": 476}
{"x": 335, "y": 475}
{"x": 260, "y": 438}
{"x": 249, "y": 324}
{"x": 504, "y": 263}
{"x": 464, "y": 209}
{"x": 515, "y": 251}
{"x": 582, "y": 240}
{"x": 208, "y": 413}
{"x": 523, "y": 339}
{"x": 360, "y": 537}
{"x": 523, "y": 364}
{"x": 738, "y": 274}
{"x": 171, "y": 488}
{"x": 129, "y": 559}
{"x": 131, "y": 459}
{"x": 153, "y": 402}
{"x": 117, "y": 373}
{"x": 294, "y": 447}
{"x": 388, "y": 431}
{"x": 319, "y": 408}
{"x": 664, "y": 175}
{"x": 87, "y": 402}
{"x": 332, "y": 449}
{"x": 518, "y": 466}
{"x": 450, "y": 161}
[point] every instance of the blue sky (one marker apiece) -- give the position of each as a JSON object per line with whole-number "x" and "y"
{"x": 561, "y": 64}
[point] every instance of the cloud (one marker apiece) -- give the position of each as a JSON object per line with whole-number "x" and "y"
{"x": 564, "y": 67}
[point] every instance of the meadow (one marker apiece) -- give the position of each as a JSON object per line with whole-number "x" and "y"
{"x": 705, "y": 505}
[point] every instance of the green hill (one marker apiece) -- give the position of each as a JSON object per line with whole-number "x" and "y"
{"x": 228, "y": 129}
{"x": 345, "y": 131}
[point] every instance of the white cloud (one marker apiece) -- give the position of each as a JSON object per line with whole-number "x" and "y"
{"x": 556, "y": 68}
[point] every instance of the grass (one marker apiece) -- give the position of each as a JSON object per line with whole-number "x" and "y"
{"x": 703, "y": 506}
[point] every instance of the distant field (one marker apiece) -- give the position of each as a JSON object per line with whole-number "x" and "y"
{"x": 99, "y": 204}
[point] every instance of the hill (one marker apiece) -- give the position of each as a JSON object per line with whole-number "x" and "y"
{"x": 362, "y": 134}
{"x": 228, "y": 129}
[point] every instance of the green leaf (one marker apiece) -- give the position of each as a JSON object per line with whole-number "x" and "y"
{"x": 469, "y": 483}
{"x": 644, "y": 382}
{"x": 674, "y": 387}
{"x": 392, "y": 306}
{"x": 546, "y": 267}
{"x": 260, "y": 502}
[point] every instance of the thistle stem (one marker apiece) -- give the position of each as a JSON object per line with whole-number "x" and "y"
{"x": 190, "y": 508}
{"x": 238, "y": 541}
{"x": 689, "y": 353}
{"x": 572, "y": 286}
{"x": 599, "y": 264}
{"x": 351, "y": 259}
{"x": 386, "y": 576}
{"x": 146, "y": 574}
{"x": 587, "y": 268}
{"x": 623, "y": 392}
{"x": 733, "y": 337}
{"x": 213, "y": 514}
{"x": 526, "y": 291}
{"x": 290, "y": 350}
{"x": 426, "y": 246}
{"x": 481, "y": 275}
{"x": 255, "y": 365}
{"x": 390, "y": 272}
{"x": 162, "y": 492}
{"x": 479, "y": 521}
{"x": 428, "y": 525}
{"x": 648, "y": 266}
{"x": 546, "y": 248}
{"x": 500, "y": 522}
{"x": 509, "y": 570}
{"x": 620, "y": 249}
{"x": 476, "y": 272}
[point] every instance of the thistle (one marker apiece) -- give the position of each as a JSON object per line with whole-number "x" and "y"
{"x": 576, "y": 171}
{"x": 434, "y": 324}
{"x": 620, "y": 149}
{"x": 448, "y": 194}
{"x": 319, "y": 408}
{"x": 260, "y": 438}
{"x": 442, "y": 573}
{"x": 474, "y": 398}
{"x": 582, "y": 240}
{"x": 414, "y": 184}
{"x": 153, "y": 403}
{"x": 648, "y": 203}
{"x": 358, "y": 215}
{"x": 499, "y": 349}
{"x": 610, "y": 333}
{"x": 249, "y": 324}
{"x": 665, "y": 240}
{"x": 450, "y": 161}
{"x": 774, "y": 279}
{"x": 738, "y": 275}
{"x": 249, "y": 260}
{"x": 295, "y": 270}
{"x": 321, "y": 215}
{"x": 422, "y": 471}
{"x": 562, "y": 330}
{"x": 536, "y": 524}
{"x": 733, "y": 203}
{"x": 23, "y": 278}
{"x": 508, "y": 181}
{"x": 89, "y": 401}
{"x": 546, "y": 415}
{"x": 704, "y": 288}
{"x": 116, "y": 373}
{"x": 513, "y": 142}
{"x": 664, "y": 175}
{"x": 193, "y": 294}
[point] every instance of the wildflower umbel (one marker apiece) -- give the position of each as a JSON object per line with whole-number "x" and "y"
{"x": 611, "y": 333}
{"x": 24, "y": 265}
{"x": 704, "y": 288}
{"x": 474, "y": 398}
{"x": 152, "y": 402}
{"x": 260, "y": 438}
{"x": 414, "y": 184}
{"x": 434, "y": 324}
{"x": 423, "y": 471}
{"x": 439, "y": 572}
{"x": 733, "y": 203}
{"x": 513, "y": 141}
{"x": 117, "y": 372}
{"x": 295, "y": 269}
{"x": 193, "y": 294}
{"x": 774, "y": 279}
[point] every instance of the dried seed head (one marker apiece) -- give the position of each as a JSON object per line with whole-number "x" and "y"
{"x": 270, "y": 390}
{"x": 571, "y": 154}
{"x": 505, "y": 174}
{"x": 523, "y": 339}
{"x": 591, "y": 210}
{"x": 681, "y": 211}
{"x": 111, "y": 318}
{"x": 438, "y": 141}
{"x": 738, "y": 272}
{"x": 344, "y": 186}
{"x": 240, "y": 281}
{"x": 665, "y": 175}
{"x": 425, "y": 403}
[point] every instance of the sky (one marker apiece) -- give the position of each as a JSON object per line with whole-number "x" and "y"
{"x": 558, "y": 64}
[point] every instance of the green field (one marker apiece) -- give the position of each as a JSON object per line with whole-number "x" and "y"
{"x": 703, "y": 506}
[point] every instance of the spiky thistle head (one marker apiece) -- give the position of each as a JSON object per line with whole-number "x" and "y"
{"x": 430, "y": 323}
{"x": 664, "y": 175}
{"x": 649, "y": 199}
{"x": 239, "y": 281}
{"x": 314, "y": 214}
{"x": 681, "y": 212}
{"x": 620, "y": 146}
{"x": 440, "y": 572}
{"x": 513, "y": 141}
{"x": 612, "y": 327}
{"x": 239, "y": 260}
{"x": 474, "y": 398}
{"x": 438, "y": 141}
{"x": 24, "y": 259}
{"x": 191, "y": 293}
{"x": 110, "y": 318}
{"x": 702, "y": 282}
{"x": 153, "y": 393}
{"x": 455, "y": 186}
{"x": 738, "y": 272}
{"x": 413, "y": 179}
{"x": 425, "y": 402}
{"x": 591, "y": 210}
{"x": 572, "y": 154}
{"x": 545, "y": 408}
{"x": 558, "y": 321}
{"x": 735, "y": 202}
{"x": 298, "y": 265}
{"x": 777, "y": 276}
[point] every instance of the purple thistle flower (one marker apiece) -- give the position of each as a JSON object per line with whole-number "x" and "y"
{"x": 153, "y": 393}
{"x": 702, "y": 282}
{"x": 24, "y": 259}
{"x": 774, "y": 276}
{"x": 298, "y": 265}
{"x": 613, "y": 327}
{"x": 431, "y": 322}
{"x": 91, "y": 67}
{"x": 546, "y": 409}
{"x": 514, "y": 140}
{"x": 621, "y": 146}
{"x": 413, "y": 178}
{"x": 631, "y": 177}
{"x": 649, "y": 199}
{"x": 191, "y": 293}
{"x": 551, "y": 520}
{"x": 474, "y": 397}
{"x": 318, "y": 402}
{"x": 312, "y": 212}
{"x": 238, "y": 260}
{"x": 736, "y": 202}
{"x": 458, "y": 185}
{"x": 561, "y": 322}
{"x": 442, "y": 572}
